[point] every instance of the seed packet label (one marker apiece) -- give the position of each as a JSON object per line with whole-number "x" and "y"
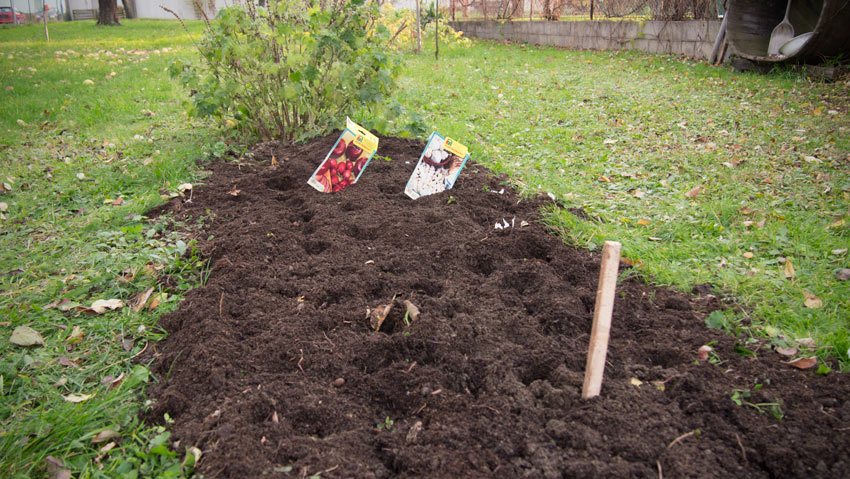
{"x": 438, "y": 167}
{"x": 344, "y": 164}
{"x": 455, "y": 148}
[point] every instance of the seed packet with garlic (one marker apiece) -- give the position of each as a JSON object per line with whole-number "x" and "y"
{"x": 345, "y": 163}
{"x": 438, "y": 167}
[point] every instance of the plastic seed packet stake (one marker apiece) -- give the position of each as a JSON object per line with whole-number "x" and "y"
{"x": 438, "y": 167}
{"x": 345, "y": 163}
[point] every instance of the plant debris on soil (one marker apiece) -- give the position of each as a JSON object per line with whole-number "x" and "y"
{"x": 274, "y": 368}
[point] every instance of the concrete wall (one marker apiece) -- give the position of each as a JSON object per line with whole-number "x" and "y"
{"x": 692, "y": 38}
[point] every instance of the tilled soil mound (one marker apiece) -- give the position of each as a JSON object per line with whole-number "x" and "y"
{"x": 272, "y": 370}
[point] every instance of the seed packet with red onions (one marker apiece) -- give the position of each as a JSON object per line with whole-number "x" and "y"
{"x": 345, "y": 163}
{"x": 438, "y": 167}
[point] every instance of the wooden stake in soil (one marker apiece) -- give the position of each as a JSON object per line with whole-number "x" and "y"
{"x": 601, "y": 320}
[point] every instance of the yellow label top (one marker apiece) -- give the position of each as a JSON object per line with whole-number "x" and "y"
{"x": 455, "y": 148}
{"x": 362, "y": 137}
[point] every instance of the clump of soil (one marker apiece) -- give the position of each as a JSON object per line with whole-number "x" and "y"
{"x": 273, "y": 371}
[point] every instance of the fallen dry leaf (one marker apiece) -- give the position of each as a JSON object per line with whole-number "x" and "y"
{"x": 184, "y": 187}
{"x": 638, "y": 194}
{"x": 142, "y": 299}
{"x": 26, "y": 336}
{"x": 104, "y": 436}
{"x": 77, "y": 398}
{"x": 812, "y": 301}
{"x": 838, "y": 252}
{"x": 748, "y": 255}
{"x": 76, "y": 335}
{"x": 3, "y": 207}
{"x": 804, "y": 363}
{"x": 789, "y": 269}
{"x": 6, "y": 187}
{"x": 234, "y": 191}
{"x": 842, "y": 274}
{"x": 112, "y": 382}
{"x": 693, "y": 193}
{"x": 643, "y": 222}
{"x": 101, "y": 305}
{"x": 379, "y": 315}
{"x": 635, "y": 382}
{"x": 787, "y": 352}
{"x": 274, "y": 161}
{"x": 118, "y": 201}
{"x": 65, "y": 361}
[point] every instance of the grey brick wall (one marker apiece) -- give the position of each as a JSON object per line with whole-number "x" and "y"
{"x": 693, "y": 38}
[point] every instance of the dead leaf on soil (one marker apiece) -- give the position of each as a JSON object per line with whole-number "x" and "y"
{"x": 804, "y": 363}
{"x": 635, "y": 382}
{"x": 142, "y": 299}
{"x": 638, "y": 194}
{"x": 787, "y": 352}
{"x": 746, "y": 211}
{"x": 812, "y": 301}
{"x": 274, "y": 161}
{"x": 842, "y": 274}
{"x": 748, "y": 255}
{"x": 838, "y": 252}
{"x": 6, "y": 188}
{"x": 234, "y": 191}
{"x": 789, "y": 269}
{"x": 693, "y": 193}
{"x": 412, "y": 310}
{"x": 77, "y": 398}
{"x": 61, "y": 382}
{"x": 3, "y": 207}
{"x": 118, "y": 201}
{"x": 157, "y": 300}
{"x": 643, "y": 222}
{"x": 26, "y": 336}
{"x": 379, "y": 315}
{"x": 101, "y": 305}
{"x": 104, "y": 436}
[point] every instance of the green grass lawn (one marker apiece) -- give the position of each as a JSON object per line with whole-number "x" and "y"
{"x": 87, "y": 122}
{"x": 93, "y": 133}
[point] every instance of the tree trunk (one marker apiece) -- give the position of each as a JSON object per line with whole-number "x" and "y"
{"x": 107, "y": 13}
{"x": 130, "y": 8}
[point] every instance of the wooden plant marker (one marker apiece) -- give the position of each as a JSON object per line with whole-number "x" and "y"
{"x": 601, "y": 329}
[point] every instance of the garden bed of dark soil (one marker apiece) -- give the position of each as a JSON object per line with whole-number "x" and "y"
{"x": 272, "y": 370}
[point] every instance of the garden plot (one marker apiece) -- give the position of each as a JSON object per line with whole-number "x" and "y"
{"x": 272, "y": 369}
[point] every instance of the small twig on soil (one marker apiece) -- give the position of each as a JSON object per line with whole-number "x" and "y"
{"x": 411, "y": 367}
{"x": 743, "y": 451}
{"x": 220, "y": 303}
{"x": 300, "y": 360}
{"x": 683, "y": 436}
{"x": 329, "y": 340}
{"x": 660, "y": 474}
{"x": 421, "y": 409}
{"x": 331, "y": 469}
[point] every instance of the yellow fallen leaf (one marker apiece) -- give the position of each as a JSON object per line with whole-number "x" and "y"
{"x": 88, "y": 82}
{"x": 643, "y": 222}
{"x": 142, "y": 299}
{"x": 748, "y": 255}
{"x": 75, "y": 398}
{"x": 789, "y": 269}
{"x": 104, "y": 436}
{"x": 101, "y": 305}
{"x": 812, "y": 301}
{"x": 635, "y": 382}
{"x": 837, "y": 223}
